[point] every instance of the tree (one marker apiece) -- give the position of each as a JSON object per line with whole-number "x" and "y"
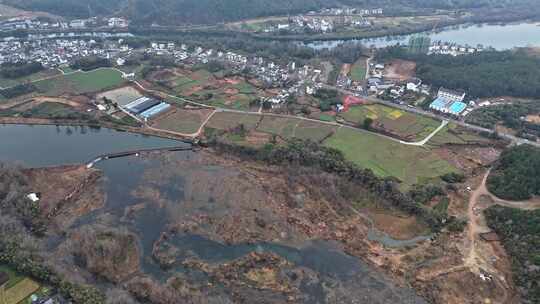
{"x": 367, "y": 123}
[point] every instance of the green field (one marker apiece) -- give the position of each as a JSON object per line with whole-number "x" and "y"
{"x": 385, "y": 157}
{"x": 451, "y": 134}
{"x": 81, "y": 82}
{"x": 405, "y": 125}
{"x": 358, "y": 70}
{"x": 183, "y": 121}
{"x": 226, "y": 121}
{"x": 295, "y": 128}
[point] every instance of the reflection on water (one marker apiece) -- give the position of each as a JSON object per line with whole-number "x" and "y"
{"x": 45, "y": 145}
{"x": 500, "y": 37}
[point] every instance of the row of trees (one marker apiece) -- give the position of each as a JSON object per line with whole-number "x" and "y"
{"x": 18, "y": 90}
{"x": 90, "y": 63}
{"x": 17, "y": 70}
{"x": 302, "y": 153}
{"x": 485, "y": 74}
{"x": 509, "y": 114}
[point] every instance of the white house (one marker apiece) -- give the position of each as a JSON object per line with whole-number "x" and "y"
{"x": 451, "y": 94}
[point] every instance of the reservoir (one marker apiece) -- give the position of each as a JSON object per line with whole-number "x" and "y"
{"x": 498, "y": 36}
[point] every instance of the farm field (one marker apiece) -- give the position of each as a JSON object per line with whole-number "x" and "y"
{"x": 280, "y": 126}
{"x": 226, "y": 121}
{"x": 208, "y": 88}
{"x": 182, "y": 121}
{"x": 358, "y": 70}
{"x": 20, "y": 291}
{"x": 385, "y": 157}
{"x": 19, "y": 287}
{"x": 403, "y": 124}
{"x": 80, "y": 83}
{"x": 451, "y": 134}
{"x": 295, "y": 128}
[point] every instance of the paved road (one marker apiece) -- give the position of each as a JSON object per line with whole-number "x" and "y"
{"x": 425, "y": 140}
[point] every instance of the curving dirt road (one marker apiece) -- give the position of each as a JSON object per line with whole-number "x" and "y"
{"x": 476, "y": 258}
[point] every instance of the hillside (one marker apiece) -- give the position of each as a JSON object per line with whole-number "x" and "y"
{"x": 485, "y": 74}
{"x": 516, "y": 176}
{"x": 520, "y": 233}
{"x": 172, "y": 12}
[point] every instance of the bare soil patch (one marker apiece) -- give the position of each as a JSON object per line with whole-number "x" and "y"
{"x": 345, "y": 69}
{"x": 533, "y": 118}
{"x": 400, "y": 69}
{"x": 181, "y": 120}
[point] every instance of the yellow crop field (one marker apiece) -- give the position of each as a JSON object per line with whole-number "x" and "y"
{"x": 21, "y": 291}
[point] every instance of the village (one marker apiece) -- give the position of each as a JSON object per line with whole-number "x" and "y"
{"x": 323, "y": 21}
{"x": 291, "y": 79}
{"x": 43, "y": 24}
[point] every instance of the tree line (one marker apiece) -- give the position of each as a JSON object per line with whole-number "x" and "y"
{"x": 516, "y": 175}
{"x": 484, "y": 74}
{"x": 175, "y": 12}
{"x": 90, "y": 63}
{"x": 17, "y": 70}
{"x": 302, "y": 153}
{"x": 510, "y": 115}
{"x": 520, "y": 234}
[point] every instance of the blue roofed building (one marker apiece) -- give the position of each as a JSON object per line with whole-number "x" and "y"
{"x": 449, "y": 102}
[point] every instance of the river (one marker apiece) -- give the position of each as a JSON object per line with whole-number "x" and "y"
{"x": 168, "y": 186}
{"x": 498, "y": 36}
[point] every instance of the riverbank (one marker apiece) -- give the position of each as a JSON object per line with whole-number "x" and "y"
{"x": 71, "y": 122}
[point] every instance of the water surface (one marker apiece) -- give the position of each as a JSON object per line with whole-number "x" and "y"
{"x": 48, "y": 145}
{"x": 498, "y": 36}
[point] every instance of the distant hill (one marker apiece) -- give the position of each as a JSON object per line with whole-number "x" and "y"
{"x": 68, "y": 8}
{"x": 173, "y": 12}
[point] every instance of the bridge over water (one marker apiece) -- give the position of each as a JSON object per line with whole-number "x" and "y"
{"x": 102, "y": 157}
